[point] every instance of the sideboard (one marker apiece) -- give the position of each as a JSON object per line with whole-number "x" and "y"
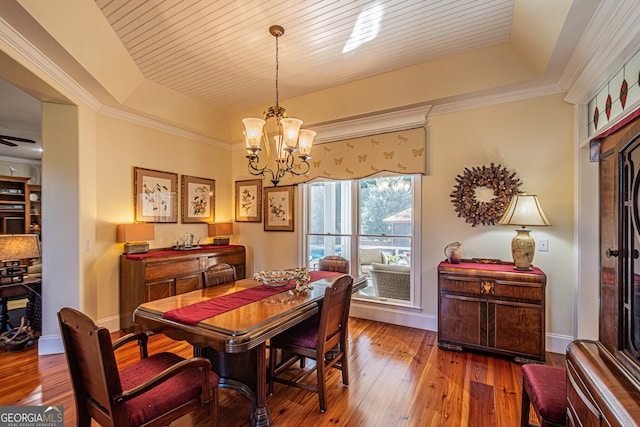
{"x": 162, "y": 273}
{"x": 493, "y": 308}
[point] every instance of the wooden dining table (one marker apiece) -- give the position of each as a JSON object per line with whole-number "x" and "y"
{"x": 235, "y": 340}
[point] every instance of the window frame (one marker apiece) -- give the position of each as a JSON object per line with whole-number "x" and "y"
{"x": 355, "y": 235}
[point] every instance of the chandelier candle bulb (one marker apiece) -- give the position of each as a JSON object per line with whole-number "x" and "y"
{"x": 306, "y": 141}
{"x": 290, "y": 129}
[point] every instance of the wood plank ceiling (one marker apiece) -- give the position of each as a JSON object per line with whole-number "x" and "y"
{"x": 220, "y": 52}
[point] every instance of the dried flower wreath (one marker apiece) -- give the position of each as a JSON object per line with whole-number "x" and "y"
{"x": 503, "y": 183}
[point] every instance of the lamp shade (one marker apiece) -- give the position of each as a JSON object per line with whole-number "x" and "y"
{"x": 221, "y": 229}
{"x": 19, "y": 246}
{"x": 135, "y": 232}
{"x": 523, "y": 210}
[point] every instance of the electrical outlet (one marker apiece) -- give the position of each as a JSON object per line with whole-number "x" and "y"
{"x": 543, "y": 245}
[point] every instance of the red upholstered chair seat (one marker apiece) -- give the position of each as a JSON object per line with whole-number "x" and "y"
{"x": 546, "y": 387}
{"x": 150, "y": 405}
{"x": 304, "y": 334}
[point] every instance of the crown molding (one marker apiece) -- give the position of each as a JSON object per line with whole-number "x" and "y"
{"x": 375, "y": 123}
{"x": 161, "y": 126}
{"x": 25, "y": 48}
{"x": 611, "y": 38}
{"x": 21, "y": 45}
{"x": 513, "y": 95}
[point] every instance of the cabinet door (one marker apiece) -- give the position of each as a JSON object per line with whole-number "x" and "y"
{"x": 518, "y": 327}
{"x": 460, "y": 319}
{"x": 157, "y": 290}
{"x": 187, "y": 284}
{"x": 580, "y": 408}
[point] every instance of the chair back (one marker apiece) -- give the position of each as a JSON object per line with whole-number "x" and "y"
{"x": 92, "y": 366}
{"x": 334, "y": 263}
{"x": 334, "y": 316}
{"x": 218, "y": 274}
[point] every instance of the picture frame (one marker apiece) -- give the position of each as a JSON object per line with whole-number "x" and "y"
{"x": 155, "y": 196}
{"x": 249, "y": 200}
{"x": 198, "y": 199}
{"x": 279, "y": 208}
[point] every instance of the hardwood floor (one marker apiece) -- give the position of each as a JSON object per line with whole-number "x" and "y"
{"x": 398, "y": 377}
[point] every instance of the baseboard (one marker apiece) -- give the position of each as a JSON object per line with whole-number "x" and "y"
{"x": 50, "y": 344}
{"x": 111, "y": 323}
{"x": 555, "y": 343}
{"x": 412, "y": 318}
{"x": 558, "y": 343}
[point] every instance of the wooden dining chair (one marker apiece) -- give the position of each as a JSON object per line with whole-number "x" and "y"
{"x": 218, "y": 274}
{"x": 334, "y": 263}
{"x": 317, "y": 338}
{"x": 152, "y": 391}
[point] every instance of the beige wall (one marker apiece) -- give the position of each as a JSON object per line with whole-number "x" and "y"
{"x": 122, "y": 145}
{"x": 533, "y": 138}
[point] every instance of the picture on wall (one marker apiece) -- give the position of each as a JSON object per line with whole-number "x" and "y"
{"x": 249, "y": 200}
{"x": 155, "y": 195}
{"x": 278, "y": 208}
{"x": 198, "y": 199}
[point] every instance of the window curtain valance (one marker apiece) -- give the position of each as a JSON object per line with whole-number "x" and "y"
{"x": 402, "y": 152}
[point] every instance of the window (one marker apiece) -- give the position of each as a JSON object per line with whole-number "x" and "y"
{"x": 370, "y": 222}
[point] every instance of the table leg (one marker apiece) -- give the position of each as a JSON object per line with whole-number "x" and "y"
{"x": 262, "y": 415}
{"x": 245, "y": 373}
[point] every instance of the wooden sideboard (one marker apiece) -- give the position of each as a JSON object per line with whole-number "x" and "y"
{"x": 165, "y": 272}
{"x": 493, "y": 308}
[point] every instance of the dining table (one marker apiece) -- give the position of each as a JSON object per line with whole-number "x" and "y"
{"x": 230, "y": 324}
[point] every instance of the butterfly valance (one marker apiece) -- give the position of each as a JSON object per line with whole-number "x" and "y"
{"x": 402, "y": 152}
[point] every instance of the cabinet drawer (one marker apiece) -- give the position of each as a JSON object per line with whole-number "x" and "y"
{"x": 159, "y": 290}
{"x": 173, "y": 269}
{"x": 459, "y": 284}
{"x": 187, "y": 284}
{"x": 531, "y": 292}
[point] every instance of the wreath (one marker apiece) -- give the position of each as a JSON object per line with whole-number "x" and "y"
{"x": 501, "y": 181}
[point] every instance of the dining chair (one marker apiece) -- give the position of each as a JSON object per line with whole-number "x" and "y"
{"x": 316, "y": 338}
{"x": 334, "y": 263}
{"x": 152, "y": 391}
{"x": 218, "y": 274}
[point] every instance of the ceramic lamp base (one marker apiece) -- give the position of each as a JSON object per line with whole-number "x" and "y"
{"x": 219, "y": 241}
{"x": 523, "y": 247}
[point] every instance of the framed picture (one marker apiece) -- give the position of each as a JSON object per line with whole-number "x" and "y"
{"x": 198, "y": 199}
{"x": 278, "y": 208}
{"x": 249, "y": 201}
{"x": 156, "y": 195}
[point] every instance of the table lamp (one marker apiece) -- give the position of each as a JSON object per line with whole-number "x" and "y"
{"x": 13, "y": 248}
{"x": 219, "y": 229}
{"x": 523, "y": 210}
{"x": 134, "y": 237}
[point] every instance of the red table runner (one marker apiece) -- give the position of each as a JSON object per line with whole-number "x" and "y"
{"x": 194, "y": 313}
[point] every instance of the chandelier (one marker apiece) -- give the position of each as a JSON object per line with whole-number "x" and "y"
{"x": 289, "y": 139}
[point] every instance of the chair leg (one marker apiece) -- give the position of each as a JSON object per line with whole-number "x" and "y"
{"x": 320, "y": 371}
{"x": 526, "y": 407}
{"x": 214, "y": 406}
{"x": 344, "y": 364}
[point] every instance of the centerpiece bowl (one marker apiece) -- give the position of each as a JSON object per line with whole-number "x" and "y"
{"x": 274, "y": 278}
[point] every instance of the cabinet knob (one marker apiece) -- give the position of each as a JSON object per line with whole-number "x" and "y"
{"x": 611, "y": 253}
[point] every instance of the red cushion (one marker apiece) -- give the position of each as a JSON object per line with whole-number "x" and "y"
{"x": 304, "y": 334}
{"x": 548, "y": 386}
{"x": 168, "y": 395}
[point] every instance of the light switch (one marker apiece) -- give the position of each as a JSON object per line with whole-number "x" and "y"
{"x": 543, "y": 245}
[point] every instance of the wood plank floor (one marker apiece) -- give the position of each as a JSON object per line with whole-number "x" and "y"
{"x": 398, "y": 377}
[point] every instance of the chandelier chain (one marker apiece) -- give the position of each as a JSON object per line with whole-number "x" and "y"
{"x": 277, "y": 68}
